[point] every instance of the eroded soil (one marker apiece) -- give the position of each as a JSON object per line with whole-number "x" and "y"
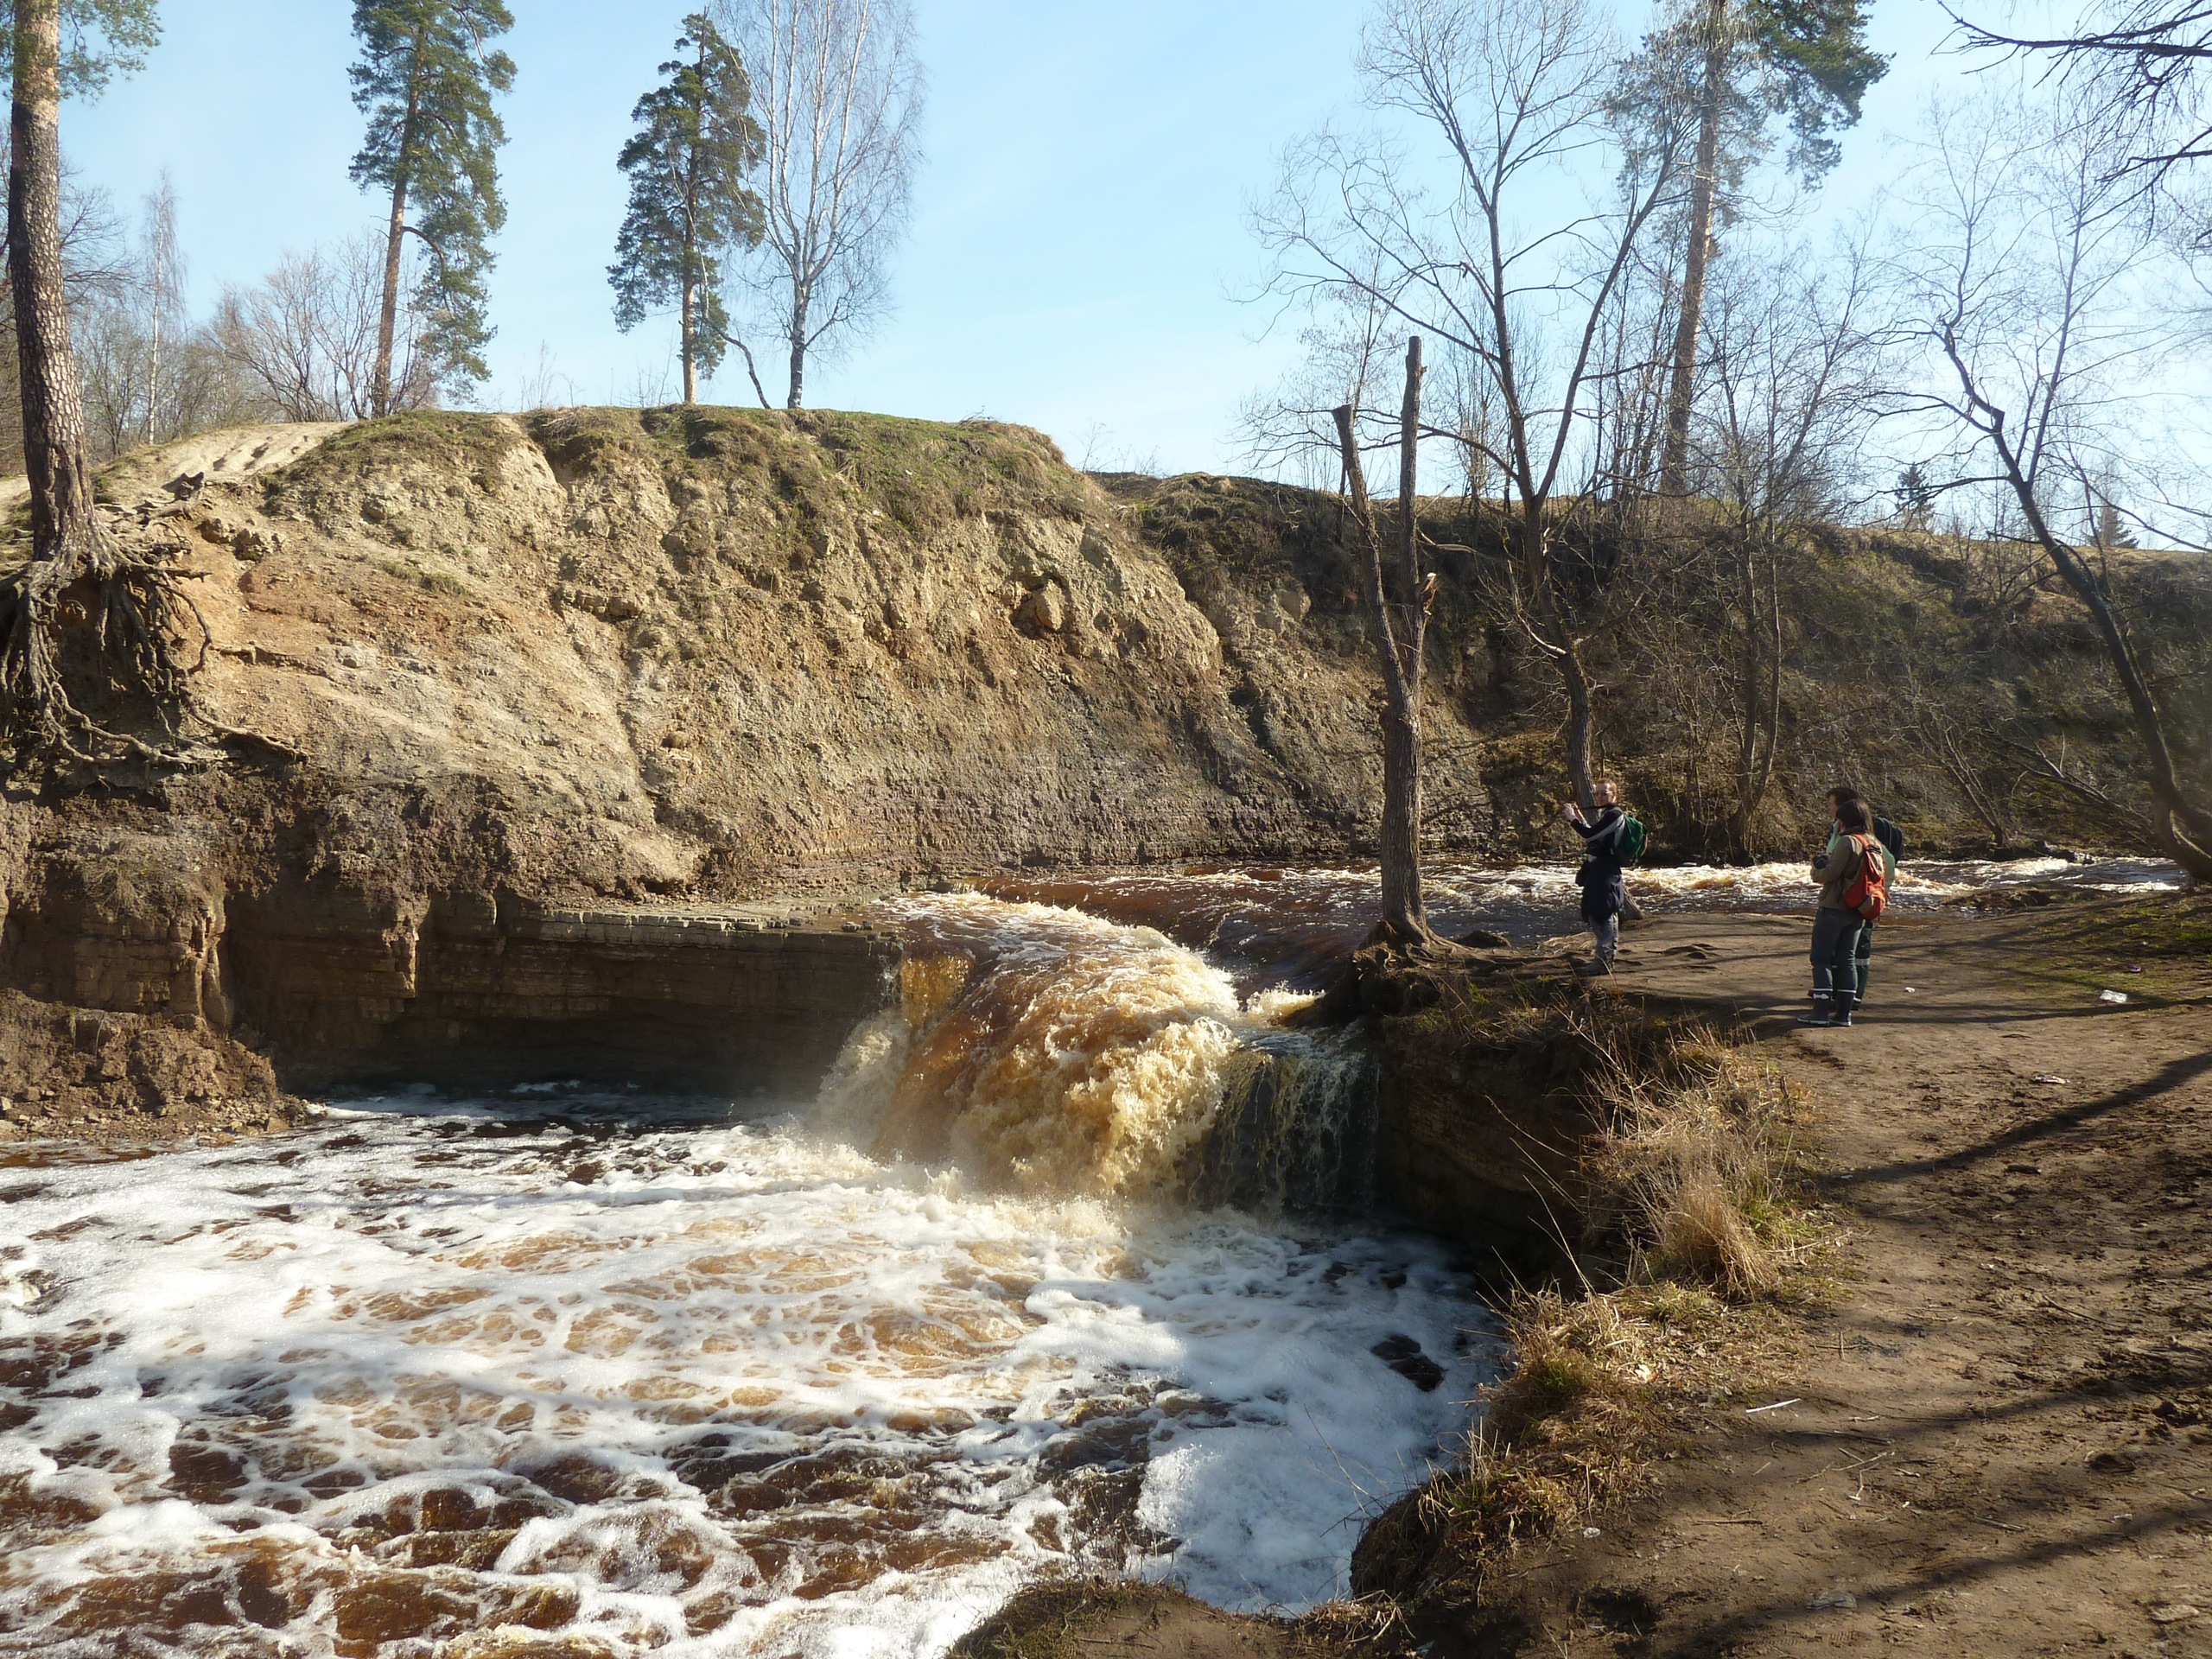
{"x": 2000, "y": 1441}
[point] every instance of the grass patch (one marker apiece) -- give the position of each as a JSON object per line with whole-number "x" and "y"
{"x": 1701, "y": 1239}
{"x": 2151, "y": 947}
{"x": 442, "y": 439}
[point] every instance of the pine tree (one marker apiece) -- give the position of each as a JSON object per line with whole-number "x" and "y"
{"x": 426, "y": 80}
{"x": 1812, "y": 60}
{"x": 87, "y": 626}
{"x": 695, "y": 140}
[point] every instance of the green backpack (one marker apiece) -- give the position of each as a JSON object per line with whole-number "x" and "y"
{"x": 1633, "y": 836}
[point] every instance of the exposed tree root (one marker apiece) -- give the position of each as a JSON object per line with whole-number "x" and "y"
{"x": 102, "y": 625}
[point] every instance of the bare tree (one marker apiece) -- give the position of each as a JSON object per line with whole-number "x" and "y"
{"x": 1794, "y": 381}
{"x": 1500, "y": 261}
{"x": 2025, "y": 289}
{"x": 1293, "y": 427}
{"x": 149, "y": 374}
{"x": 2141, "y": 65}
{"x": 162, "y": 267}
{"x": 837, "y": 91}
{"x": 96, "y": 268}
{"x": 308, "y": 339}
{"x": 1400, "y": 643}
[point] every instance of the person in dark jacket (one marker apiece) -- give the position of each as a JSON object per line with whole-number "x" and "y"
{"x": 1836, "y": 925}
{"x": 1603, "y": 877}
{"x": 1892, "y": 840}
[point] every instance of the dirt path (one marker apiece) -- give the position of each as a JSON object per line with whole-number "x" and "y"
{"x": 2002, "y": 1439}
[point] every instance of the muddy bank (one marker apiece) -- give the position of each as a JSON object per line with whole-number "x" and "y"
{"x": 1967, "y": 1409}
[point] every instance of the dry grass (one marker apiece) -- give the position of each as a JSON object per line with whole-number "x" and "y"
{"x": 1702, "y": 1237}
{"x": 1699, "y": 1167}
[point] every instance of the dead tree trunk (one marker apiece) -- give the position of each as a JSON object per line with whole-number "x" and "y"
{"x": 80, "y": 608}
{"x": 1404, "y": 917}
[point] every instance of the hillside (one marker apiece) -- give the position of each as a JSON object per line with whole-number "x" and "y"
{"x": 485, "y": 664}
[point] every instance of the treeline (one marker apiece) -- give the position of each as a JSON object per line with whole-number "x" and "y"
{"x": 746, "y": 223}
{"x": 298, "y": 345}
{"x": 1665, "y": 396}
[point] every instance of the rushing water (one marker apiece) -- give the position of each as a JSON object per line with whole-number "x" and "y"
{"x": 1290, "y": 925}
{"x": 587, "y": 1376}
{"x": 592, "y": 1375}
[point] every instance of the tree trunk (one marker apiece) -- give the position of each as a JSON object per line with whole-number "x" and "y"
{"x": 394, "y": 247}
{"x": 2182, "y": 828}
{"x": 129, "y": 614}
{"x": 1674, "y": 462}
{"x": 55, "y": 453}
{"x": 1759, "y": 678}
{"x": 154, "y": 367}
{"x": 1582, "y": 726}
{"x": 691, "y": 342}
{"x": 797, "y": 398}
{"x": 1405, "y": 916}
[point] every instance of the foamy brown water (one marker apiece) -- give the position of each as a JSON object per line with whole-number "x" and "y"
{"x": 465, "y": 1379}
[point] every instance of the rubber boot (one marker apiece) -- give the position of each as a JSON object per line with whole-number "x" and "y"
{"x": 1842, "y": 1014}
{"x": 1822, "y": 1013}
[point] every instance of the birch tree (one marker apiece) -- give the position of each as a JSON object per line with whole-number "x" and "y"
{"x": 837, "y": 91}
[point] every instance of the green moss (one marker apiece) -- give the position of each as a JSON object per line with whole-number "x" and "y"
{"x": 448, "y": 440}
{"x": 818, "y": 465}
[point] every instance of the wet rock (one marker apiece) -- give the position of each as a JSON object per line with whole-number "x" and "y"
{"x": 1403, "y": 1354}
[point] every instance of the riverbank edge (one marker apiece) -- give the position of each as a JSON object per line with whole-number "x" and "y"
{"x": 1688, "y": 1244}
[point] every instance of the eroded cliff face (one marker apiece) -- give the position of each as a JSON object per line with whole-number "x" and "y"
{"x": 486, "y": 671}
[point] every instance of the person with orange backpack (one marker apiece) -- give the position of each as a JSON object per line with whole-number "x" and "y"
{"x": 1892, "y": 840}
{"x": 1853, "y": 874}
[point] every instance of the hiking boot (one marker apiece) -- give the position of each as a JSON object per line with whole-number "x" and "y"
{"x": 1821, "y": 1013}
{"x": 1593, "y": 969}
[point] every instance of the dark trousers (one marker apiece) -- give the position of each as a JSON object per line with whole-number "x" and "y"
{"x": 1865, "y": 955}
{"x": 1835, "y": 953}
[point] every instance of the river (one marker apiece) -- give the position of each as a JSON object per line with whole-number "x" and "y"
{"x": 1066, "y": 1268}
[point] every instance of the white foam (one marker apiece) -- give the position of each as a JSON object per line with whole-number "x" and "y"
{"x": 423, "y": 1307}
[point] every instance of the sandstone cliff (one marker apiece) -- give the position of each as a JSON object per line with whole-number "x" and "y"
{"x": 486, "y": 667}
{"x": 523, "y": 705}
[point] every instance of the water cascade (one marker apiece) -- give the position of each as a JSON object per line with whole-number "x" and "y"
{"x": 563, "y": 1373}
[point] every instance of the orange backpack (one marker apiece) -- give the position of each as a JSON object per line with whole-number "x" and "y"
{"x": 1867, "y": 892}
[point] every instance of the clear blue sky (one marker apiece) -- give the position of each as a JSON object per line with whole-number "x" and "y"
{"x": 1079, "y": 227}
